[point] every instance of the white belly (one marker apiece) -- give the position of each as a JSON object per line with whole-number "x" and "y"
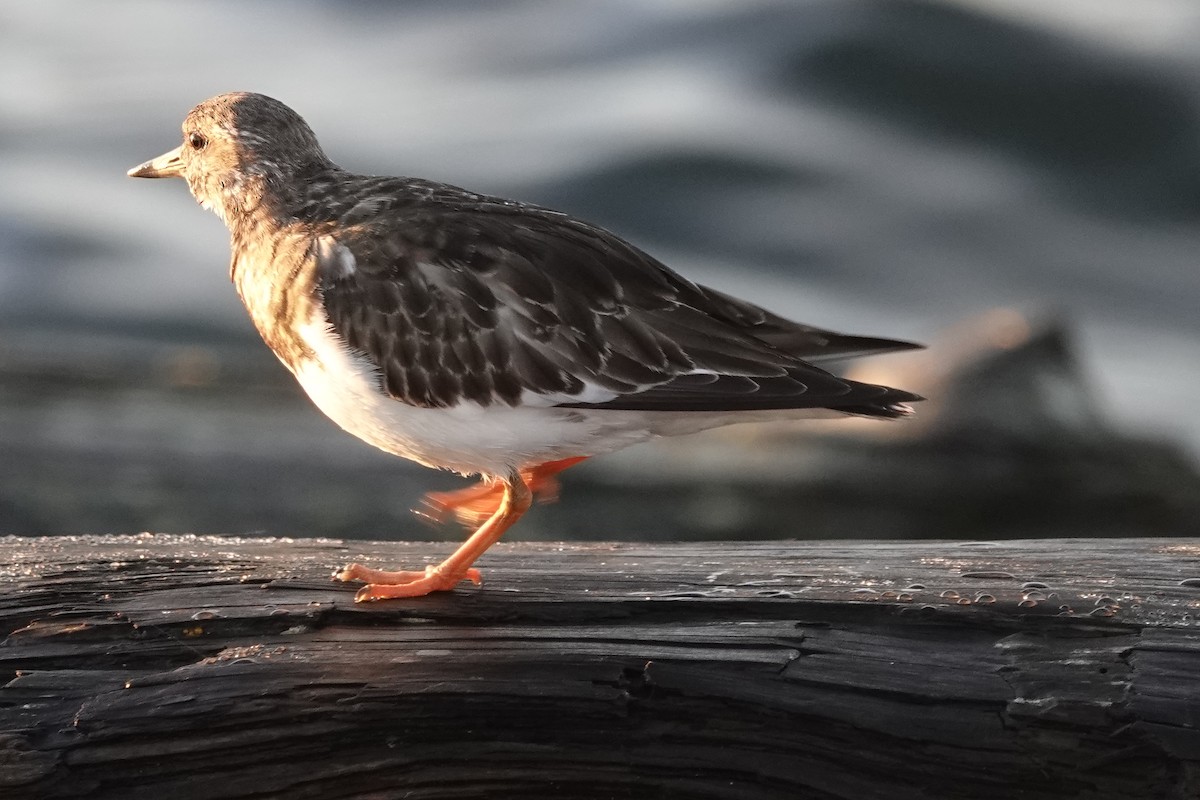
{"x": 468, "y": 438}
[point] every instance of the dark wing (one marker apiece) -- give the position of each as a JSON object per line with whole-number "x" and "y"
{"x": 805, "y": 341}
{"x": 490, "y": 301}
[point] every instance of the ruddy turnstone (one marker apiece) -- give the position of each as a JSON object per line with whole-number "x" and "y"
{"x": 483, "y": 335}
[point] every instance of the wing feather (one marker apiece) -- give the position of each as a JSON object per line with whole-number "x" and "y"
{"x": 459, "y": 298}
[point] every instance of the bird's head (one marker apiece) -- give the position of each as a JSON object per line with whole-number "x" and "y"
{"x": 236, "y": 147}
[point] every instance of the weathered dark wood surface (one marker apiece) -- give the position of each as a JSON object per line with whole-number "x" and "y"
{"x": 205, "y": 667}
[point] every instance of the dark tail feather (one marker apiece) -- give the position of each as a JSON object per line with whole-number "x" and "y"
{"x": 892, "y": 405}
{"x": 817, "y": 345}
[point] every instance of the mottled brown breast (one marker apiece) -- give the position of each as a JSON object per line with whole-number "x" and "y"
{"x": 273, "y": 271}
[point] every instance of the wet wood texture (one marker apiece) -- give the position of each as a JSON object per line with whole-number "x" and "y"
{"x": 206, "y": 667}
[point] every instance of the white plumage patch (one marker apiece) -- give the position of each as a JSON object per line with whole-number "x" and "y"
{"x": 592, "y": 393}
{"x": 338, "y": 255}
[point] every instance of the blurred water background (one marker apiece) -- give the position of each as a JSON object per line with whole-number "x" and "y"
{"x": 1016, "y": 182}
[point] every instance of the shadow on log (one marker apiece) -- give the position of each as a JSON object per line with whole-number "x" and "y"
{"x": 207, "y": 667}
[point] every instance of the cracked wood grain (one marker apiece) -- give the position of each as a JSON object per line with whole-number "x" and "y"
{"x": 221, "y": 667}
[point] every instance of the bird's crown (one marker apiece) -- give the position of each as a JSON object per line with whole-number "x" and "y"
{"x": 236, "y": 146}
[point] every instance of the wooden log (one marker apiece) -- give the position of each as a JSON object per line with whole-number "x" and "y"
{"x": 207, "y": 667}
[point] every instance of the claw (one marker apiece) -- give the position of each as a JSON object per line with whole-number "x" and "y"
{"x": 383, "y": 585}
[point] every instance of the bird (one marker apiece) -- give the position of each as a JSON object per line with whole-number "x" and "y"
{"x": 481, "y": 335}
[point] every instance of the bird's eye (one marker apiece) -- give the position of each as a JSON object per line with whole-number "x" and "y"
{"x": 197, "y": 141}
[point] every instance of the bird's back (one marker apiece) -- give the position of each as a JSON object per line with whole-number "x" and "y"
{"x": 460, "y": 297}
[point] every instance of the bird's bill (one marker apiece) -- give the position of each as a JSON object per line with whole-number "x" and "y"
{"x": 168, "y": 165}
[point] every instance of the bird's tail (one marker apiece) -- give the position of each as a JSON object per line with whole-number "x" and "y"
{"x": 893, "y": 404}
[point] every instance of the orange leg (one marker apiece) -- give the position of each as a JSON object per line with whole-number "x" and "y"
{"x": 514, "y": 501}
{"x": 474, "y": 504}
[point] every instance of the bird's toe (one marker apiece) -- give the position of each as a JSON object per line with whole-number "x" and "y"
{"x": 385, "y": 585}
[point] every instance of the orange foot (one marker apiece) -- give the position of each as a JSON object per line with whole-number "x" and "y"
{"x": 383, "y": 585}
{"x": 514, "y": 501}
{"x": 474, "y": 504}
